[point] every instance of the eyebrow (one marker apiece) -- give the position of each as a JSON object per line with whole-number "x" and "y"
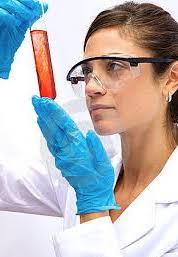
{"x": 113, "y": 53}
{"x": 116, "y": 53}
{"x": 88, "y": 63}
{"x": 84, "y": 63}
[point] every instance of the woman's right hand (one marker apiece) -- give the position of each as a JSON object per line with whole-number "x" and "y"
{"x": 16, "y": 16}
{"x": 82, "y": 160}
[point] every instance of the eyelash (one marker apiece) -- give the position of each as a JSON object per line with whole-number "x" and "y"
{"x": 114, "y": 62}
{"x": 86, "y": 70}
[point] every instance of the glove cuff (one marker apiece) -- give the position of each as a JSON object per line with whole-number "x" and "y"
{"x": 4, "y": 74}
{"x": 96, "y": 204}
{"x": 98, "y": 209}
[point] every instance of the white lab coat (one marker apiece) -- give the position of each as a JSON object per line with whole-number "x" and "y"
{"x": 147, "y": 228}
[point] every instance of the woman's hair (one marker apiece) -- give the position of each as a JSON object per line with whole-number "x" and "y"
{"x": 150, "y": 27}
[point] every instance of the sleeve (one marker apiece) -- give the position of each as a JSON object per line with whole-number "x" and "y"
{"x": 172, "y": 253}
{"x": 96, "y": 238}
{"x": 29, "y": 189}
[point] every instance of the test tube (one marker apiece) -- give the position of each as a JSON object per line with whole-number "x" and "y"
{"x": 42, "y": 56}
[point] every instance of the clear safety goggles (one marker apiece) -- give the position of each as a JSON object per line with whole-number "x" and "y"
{"x": 108, "y": 72}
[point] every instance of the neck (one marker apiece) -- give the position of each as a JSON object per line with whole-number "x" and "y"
{"x": 144, "y": 154}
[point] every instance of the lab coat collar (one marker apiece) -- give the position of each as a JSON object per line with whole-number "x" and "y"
{"x": 139, "y": 218}
{"x": 168, "y": 180}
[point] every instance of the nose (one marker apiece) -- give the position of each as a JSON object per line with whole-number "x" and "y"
{"x": 94, "y": 86}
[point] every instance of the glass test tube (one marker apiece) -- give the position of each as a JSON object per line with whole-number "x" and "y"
{"x": 42, "y": 58}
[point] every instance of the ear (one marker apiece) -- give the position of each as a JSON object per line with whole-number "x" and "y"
{"x": 171, "y": 84}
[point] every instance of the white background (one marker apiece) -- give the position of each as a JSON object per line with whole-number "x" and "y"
{"x": 29, "y": 235}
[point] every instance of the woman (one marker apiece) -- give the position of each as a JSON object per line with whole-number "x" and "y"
{"x": 130, "y": 78}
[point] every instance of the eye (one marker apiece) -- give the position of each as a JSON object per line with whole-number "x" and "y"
{"x": 86, "y": 70}
{"x": 115, "y": 66}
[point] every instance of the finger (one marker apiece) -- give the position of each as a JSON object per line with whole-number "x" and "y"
{"x": 54, "y": 123}
{"x": 51, "y": 142}
{"x": 7, "y": 18}
{"x": 38, "y": 104}
{"x": 31, "y": 4}
{"x": 53, "y": 135}
{"x": 96, "y": 147}
{"x": 48, "y": 134}
{"x": 46, "y": 107}
{"x": 16, "y": 8}
{"x": 23, "y": 10}
{"x": 37, "y": 8}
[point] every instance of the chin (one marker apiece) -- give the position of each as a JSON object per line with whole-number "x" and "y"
{"x": 104, "y": 130}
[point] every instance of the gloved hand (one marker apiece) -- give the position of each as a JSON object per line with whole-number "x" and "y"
{"x": 82, "y": 161}
{"x": 16, "y": 16}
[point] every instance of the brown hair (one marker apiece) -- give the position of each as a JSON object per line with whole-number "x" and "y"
{"x": 152, "y": 28}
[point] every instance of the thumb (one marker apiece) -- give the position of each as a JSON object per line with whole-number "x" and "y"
{"x": 96, "y": 148}
{"x": 39, "y": 10}
{"x": 44, "y": 6}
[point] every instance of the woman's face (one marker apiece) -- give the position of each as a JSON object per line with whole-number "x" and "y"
{"x": 131, "y": 104}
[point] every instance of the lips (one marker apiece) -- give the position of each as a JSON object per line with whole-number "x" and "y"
{"x": 99, "y": 106}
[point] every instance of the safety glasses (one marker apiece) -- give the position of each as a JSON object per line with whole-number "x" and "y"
{"x": 108, "y": 71}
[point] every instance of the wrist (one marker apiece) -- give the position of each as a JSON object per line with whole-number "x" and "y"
{"x": 91, "y": 216}
{"x": 96, "y": 204}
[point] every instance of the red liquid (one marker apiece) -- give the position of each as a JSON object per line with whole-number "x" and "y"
{"x": 43, "y": 63}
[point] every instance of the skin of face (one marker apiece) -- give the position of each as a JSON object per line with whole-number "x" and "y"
{"x": 136, "y": 103}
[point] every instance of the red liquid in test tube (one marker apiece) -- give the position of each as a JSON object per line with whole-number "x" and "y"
{"x": 43, "y": 63}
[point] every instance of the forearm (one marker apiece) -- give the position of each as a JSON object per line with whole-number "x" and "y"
{"x": 27, "y": 188}
{"x": 91, "y": 216}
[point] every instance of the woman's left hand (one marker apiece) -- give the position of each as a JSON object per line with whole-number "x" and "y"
{"x": 16, "y": 16}
{"x": 82, "y": 161}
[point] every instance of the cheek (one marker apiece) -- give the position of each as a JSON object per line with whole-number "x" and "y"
{"x": 136, "y": 103}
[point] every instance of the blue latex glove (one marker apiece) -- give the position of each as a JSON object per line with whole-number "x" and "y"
{"x": 82, "y": 161}
{"x": 16, "y": 16}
